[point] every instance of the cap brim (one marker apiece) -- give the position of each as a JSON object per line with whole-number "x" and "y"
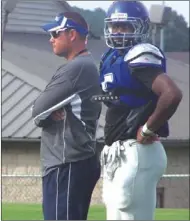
{"x": 50, "y": 27}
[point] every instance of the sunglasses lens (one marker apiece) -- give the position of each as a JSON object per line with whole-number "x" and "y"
{"x": 54, "y": 34}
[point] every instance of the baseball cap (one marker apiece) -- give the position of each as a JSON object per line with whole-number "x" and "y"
{"x": 62, "y": 22}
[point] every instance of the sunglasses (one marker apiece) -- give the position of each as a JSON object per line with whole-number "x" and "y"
{"x": 56, "y": 34}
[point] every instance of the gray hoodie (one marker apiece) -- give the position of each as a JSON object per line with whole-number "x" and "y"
{"x": 70, "y": 89}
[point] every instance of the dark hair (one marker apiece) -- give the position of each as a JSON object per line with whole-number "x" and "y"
{"x": 76, "y": 17}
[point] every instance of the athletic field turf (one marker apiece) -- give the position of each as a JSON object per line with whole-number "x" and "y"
{"x": 33, "y": 212}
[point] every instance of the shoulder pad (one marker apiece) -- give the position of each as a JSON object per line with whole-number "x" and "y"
{"x": 144, "y": 48}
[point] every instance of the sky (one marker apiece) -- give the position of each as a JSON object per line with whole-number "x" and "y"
{"x": 182, "y": 7}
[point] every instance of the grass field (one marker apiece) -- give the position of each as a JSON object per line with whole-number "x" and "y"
{"x": 33, "y": 212}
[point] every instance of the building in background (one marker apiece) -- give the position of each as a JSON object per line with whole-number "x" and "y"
{"x": 27, "y": 65}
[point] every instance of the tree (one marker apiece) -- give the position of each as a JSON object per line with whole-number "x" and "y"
{"x": 177, "y": 34}
{"x": 95, "y": 20}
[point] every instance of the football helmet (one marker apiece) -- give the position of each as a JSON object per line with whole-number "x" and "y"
{"x": 126, "y": 23}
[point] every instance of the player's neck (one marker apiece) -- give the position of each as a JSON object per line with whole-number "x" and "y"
{"x": 121, "y": 51}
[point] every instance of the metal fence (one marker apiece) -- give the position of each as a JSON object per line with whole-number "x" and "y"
{"x": 28, "y": 188}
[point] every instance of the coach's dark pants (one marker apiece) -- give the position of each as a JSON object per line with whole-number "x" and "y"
{"x": 68, "y": 188}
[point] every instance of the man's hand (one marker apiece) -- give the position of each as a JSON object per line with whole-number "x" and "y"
{"x": 58, "y": 115}
{"x": 146, "y": 139}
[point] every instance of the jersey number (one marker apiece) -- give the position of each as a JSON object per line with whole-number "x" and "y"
{"x": 108, "y": 78}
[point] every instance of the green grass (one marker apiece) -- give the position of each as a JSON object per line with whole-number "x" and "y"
{"x": 33, "y": 212}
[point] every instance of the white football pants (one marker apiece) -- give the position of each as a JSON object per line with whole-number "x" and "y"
{"x": 131, "y": 193}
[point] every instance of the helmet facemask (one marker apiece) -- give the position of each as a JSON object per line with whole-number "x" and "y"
{"x": 132, "y": 30}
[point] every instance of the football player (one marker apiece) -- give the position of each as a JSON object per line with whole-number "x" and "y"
{"x": 140, "y": 99}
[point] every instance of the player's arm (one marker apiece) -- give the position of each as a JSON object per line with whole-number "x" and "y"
{"x": 148, "y": 69}
{"x": 58, "y": 93}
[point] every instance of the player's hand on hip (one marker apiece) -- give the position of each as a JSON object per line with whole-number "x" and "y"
{"x": 58, "y": 115}
{"x": 149, "y": 139}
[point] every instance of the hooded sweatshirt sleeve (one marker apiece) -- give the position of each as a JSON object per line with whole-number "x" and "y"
{"x": 58, "y": 93}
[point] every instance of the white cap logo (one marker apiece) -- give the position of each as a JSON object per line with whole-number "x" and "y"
{"x": 57, "y": 18}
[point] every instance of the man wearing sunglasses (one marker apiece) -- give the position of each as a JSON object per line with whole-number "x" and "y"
{"x": 68, "y": 119}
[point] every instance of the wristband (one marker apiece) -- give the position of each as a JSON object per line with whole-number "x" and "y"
{"x": 146, "y": 131}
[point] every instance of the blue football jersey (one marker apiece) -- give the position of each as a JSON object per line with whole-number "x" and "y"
{"x": 115, "y": 72}
{"x": 116, "y": 77}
